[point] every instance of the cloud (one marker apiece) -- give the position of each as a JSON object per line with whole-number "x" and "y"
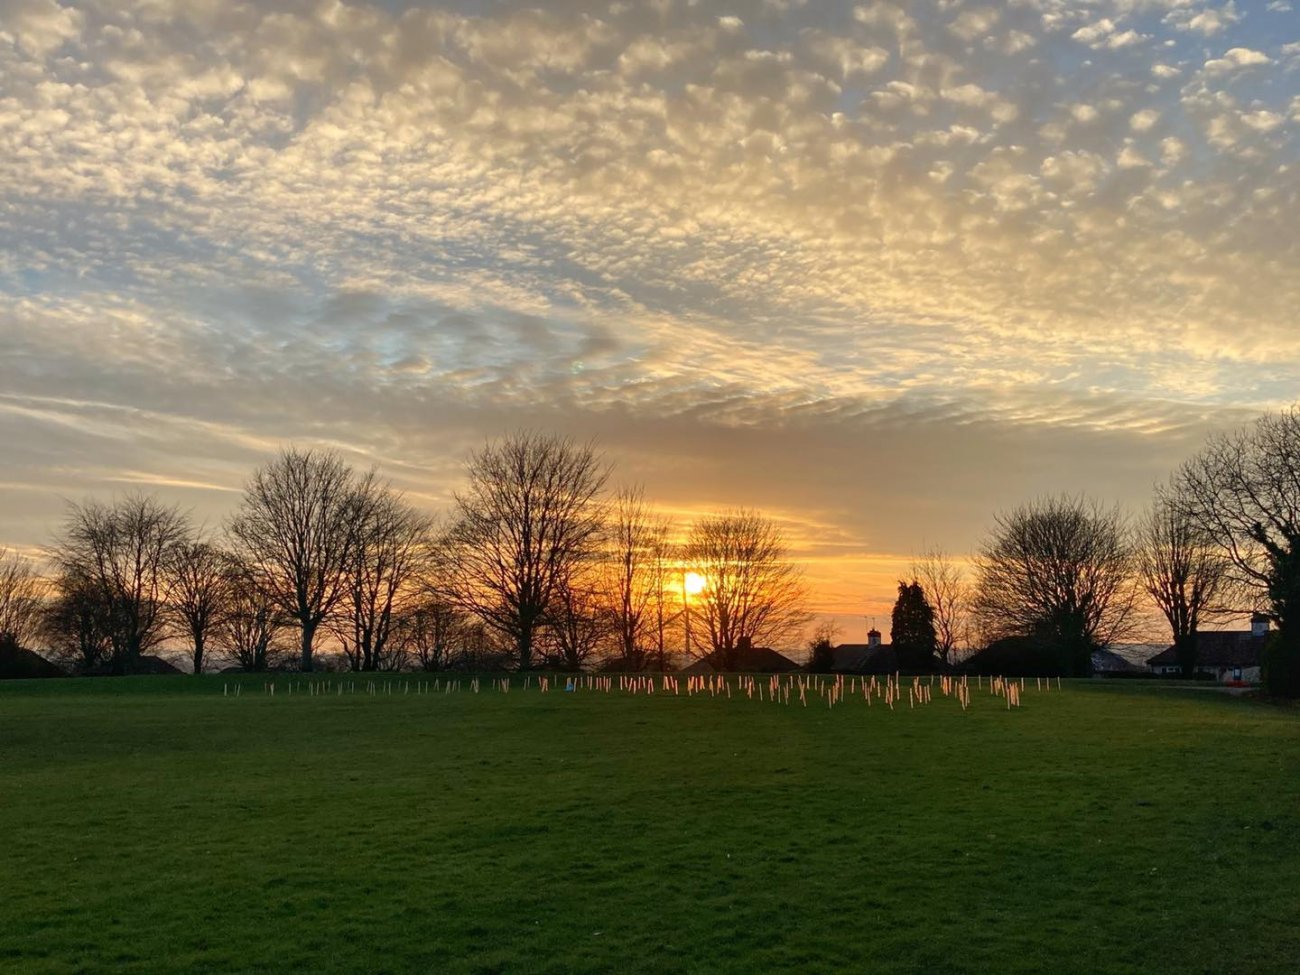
{"x": 1105, "y": 34}
{"x": 1206, "y": 21}
{"x": 973, "y": 23}
{"x": 40, "y": 27}
{"x": 1234, "y": 60}
{"x": 1144, "y": 120}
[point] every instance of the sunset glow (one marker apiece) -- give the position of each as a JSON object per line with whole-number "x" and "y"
{"x": 650, "y": 486}
{"x": 693, "y": 583}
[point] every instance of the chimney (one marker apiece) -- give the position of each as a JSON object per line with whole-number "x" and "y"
{"x": 873, "y": 637}
{"x": 1258, "y": 625}
{"x": 743, "y": 644}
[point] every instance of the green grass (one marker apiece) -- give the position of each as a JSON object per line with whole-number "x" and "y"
{"x": 152, "y": 825}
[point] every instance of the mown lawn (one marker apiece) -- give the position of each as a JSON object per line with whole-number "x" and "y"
{"x": 153, "y": 825}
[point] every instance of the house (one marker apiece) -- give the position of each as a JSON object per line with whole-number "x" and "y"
{"x": 872, "y": 657}
{"x": 17, "y": 663}
{"x": 1228, "y": 656}
{"x": 1019, "y": 656}
{"x": 749, "y": 659}
{"x": 146, "y": 663}
{"x": 1123, "y": 659}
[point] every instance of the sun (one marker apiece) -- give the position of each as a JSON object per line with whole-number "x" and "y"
{"x": 694, "y": 583}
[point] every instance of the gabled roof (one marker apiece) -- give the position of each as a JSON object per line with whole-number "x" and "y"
{"x": 19, "y": 662}
{"x": 1135, "y": 653}
{"x": 749, "y": 660}
{"x": 1219, "y": 648}
{"x": 863, "y": 658}
{"x": 1107, "y": 661}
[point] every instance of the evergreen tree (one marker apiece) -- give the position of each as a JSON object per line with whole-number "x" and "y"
{"x": 912, "y": 628}
{"x": 821, "y": 657}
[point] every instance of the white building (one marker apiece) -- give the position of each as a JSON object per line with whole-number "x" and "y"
{"x": 1228, "y": 656}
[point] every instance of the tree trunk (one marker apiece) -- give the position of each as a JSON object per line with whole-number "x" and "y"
{"x": 308, "y": 633}
{"x": 524, "y": 643}
{"x": 1076, "y": 656}
{"x": 1282, "y": 661}
{"x": 131, "y": 657}
{"x": 1185, "y": 653}
{"x": 1282, "y": 651}
{"x": 119, "y": 659}
{"x": 198, "y": 653}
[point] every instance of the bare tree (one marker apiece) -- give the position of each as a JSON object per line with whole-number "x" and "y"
{"x": 1183, "y": 571}
{"x": 1243, "y": 490}
{"x": 1059, "y": 569}
{"x": 483, "y": 648}
{"x": 945, "y": 587}
{"x": 753, "y": 591}
{"x": 821, "y": 647}
{"x": 21, "y": 599}
{"x": 298, "y": 525}
{"x": 119, "y": 551}
{"x": 431, "y": 630}
{"x": 577, "y": 622}
{"x": 827, "y": 631}
{"x": 199, "y": 587}
{"x": 665, "y": 610}
{"x": 75, "y": 623}
{"x": 635, "y": 584}
{"x": 392, "y": 550}
{"x": 530, "y": 512}
{"x": 253, "y": 622}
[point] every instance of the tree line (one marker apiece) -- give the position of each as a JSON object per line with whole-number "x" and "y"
{"x": 1060, "y": 577}
{"x": 539, "y": 564}
{"x": 1221, "y": 538}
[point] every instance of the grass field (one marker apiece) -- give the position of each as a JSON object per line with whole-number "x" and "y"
{"x": 153, "y": 825}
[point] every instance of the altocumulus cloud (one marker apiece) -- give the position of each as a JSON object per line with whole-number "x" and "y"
{"x": 879, "y": 269}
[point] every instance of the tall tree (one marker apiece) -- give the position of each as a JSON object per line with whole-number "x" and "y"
{"x": 635, "y": 577}
{"x": 1182, "y": 570}
{"x": 21, "y": 599}
{"x": 530, "y": 513}
{"x": 120, "y": 551}
{"x": 432, "y": 629}
{"x": 75, "y": 622}
{"x": 1061, "y": 570}
{"x": 753, "y": 590}
{"x": 298, "y": 526}
{"x": 912, "y": 630}
{"x": 199, "y": 590}
{"x": 578, "y": 622}
{"x": 664, "y": 610}
{"x": 392, "y": 549}
{"x": 253, "y": 621}
{"x": 1243, "y": 490}
{"x": 949, "y": 598}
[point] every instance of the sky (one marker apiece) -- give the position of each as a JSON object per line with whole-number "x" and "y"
{"x": 879, "y": 270}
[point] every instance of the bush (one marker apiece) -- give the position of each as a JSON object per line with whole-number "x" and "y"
{"x": 822, "y": 659}
{"x": 1020, "y": 656}
{"x": 1281, "y": 665}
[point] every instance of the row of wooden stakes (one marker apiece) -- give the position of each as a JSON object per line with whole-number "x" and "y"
{"x": 832, "y": 690}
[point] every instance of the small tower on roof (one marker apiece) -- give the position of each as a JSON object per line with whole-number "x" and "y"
{"x": 1259, "y": 624}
